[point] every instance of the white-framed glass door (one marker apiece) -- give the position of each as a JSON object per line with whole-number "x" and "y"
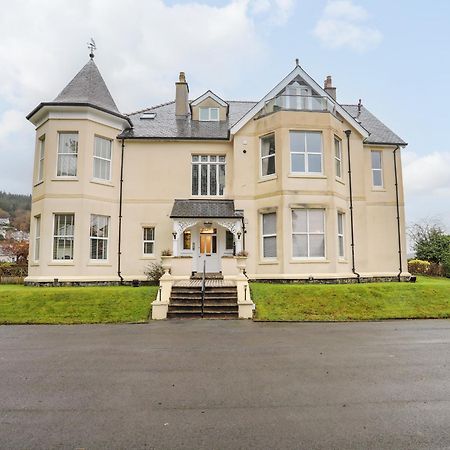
{"x": 208, "y": 250}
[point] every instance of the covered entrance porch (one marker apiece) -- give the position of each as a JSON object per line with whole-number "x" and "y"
{"x": 207, "y": 231}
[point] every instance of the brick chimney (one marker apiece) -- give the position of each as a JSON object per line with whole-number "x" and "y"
{"x": 182, "y": 97}
{"x": 328, "y": 86}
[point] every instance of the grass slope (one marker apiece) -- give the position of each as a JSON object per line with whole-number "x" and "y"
{"x": 428, "y": 298}
{"x": 70, "y": 305}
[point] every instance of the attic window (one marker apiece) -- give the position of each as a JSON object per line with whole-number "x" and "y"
{"x": 209, "y": 114}
{"x": 148, "y": 115}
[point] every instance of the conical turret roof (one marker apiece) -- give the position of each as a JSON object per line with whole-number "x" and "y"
{"x": 88, "y": 86}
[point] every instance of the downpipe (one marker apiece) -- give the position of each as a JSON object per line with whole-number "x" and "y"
{"x": 398, "y": 215}
{"x": 358, "y": 276}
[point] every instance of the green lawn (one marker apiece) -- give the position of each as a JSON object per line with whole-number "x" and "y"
{"x": 427, "y": 298}
{"x": 69, "y": 305}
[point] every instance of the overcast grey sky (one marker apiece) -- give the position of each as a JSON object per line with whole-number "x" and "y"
{"x": 393, "y": 55}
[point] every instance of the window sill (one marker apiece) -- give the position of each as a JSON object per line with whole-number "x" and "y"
{"x": 34, "y": 264}
{"x": 65, "y": 179}
{"x": 309, "y": 261}
{"x": 307, "y": 175}
{"x": 93, "y": 262}
{"x": 266, "y": 262}
{"x": 267, "y": 178}
{"x": 38, "y": 183}
{"x": 148, "y": 257}
{"x": 101, "y": 182}
{"x": 340, "y": 180}
{"x": 62, "y": 263}
{"x": 378, "y": 189}
{"x": 342, "y": 261}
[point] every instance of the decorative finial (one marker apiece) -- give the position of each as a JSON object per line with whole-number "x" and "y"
{"x": 296, "y": 62}
{"x": 359, "y": 107}
{"x": 91, "y": 46}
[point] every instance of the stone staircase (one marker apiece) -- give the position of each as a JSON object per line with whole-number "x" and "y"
{"x": 220, "y": 300}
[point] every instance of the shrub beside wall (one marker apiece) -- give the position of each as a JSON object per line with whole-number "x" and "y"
{"x": 418, "y": 267}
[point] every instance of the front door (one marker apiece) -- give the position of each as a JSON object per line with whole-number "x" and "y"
{"x": 208, "y": 254}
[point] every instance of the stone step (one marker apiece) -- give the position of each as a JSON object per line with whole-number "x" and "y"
{"x": 232, "y": 316}
{"x": 176, "y": 296}
{"x": 212, "y": 306}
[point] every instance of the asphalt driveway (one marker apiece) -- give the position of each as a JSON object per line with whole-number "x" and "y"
{"x": 226, "y": 384}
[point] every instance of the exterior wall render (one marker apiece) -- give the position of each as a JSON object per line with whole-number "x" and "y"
{"x": 157, "y": 172}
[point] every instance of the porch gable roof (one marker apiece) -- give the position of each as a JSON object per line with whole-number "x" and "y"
{"x": 204, "y": 208}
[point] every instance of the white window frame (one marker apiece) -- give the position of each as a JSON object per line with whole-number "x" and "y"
{"x": 220, "y": 160}
{"x": 307, "y": 233}
{"x": 261, "y": 157}
{"x": 63, "y": 236}
{"x": 306, "y": 153}
{"x": 37, "y": 238}
{"x": 41, "y": 159}
{"x": 376, "y": 186}
{"x": 61, "y": 154}
{"x": 148, "y": 241}
{"x": 209, "y": 109}
{"x": 338, "y": 158}
{"x": 99, "y": 238}
{"x": 341, "y": 234}
{"x": 102, "y": 159}
{"x": 263, "y": 236}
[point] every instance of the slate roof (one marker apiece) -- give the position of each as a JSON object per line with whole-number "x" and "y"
{"x": 167, "y": 126}
{"x": 88, "y": 86}
{"x": 214, "y": 209}
{"x": 379, "y": 132}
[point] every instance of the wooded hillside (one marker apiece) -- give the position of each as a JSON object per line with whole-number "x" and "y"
{"x": 17, "y": 207}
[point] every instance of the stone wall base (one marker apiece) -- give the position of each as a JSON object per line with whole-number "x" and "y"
{"x": 87, "y": 283}
{"x": 347, "y": 280}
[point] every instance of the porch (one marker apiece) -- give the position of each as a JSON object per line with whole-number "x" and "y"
{"x": 207, "y": 268}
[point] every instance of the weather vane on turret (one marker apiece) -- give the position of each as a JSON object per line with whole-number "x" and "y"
{"x": 91, "y": 46}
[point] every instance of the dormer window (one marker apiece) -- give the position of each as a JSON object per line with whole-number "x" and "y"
{"x": 209, "y": 114}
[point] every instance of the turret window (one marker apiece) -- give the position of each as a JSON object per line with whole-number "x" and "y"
{"x": 40, "y": 171}
{"x": 102, "y": 158}
{"x": 67, "y": 155}
{"x": 63, "y": 236}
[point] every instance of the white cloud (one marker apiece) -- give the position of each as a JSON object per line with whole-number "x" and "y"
{"x": 344, "y": 24}
{"x": 427, "y": 174}
{"x": 142, "y": 45}
{"x": 427, "y": 186}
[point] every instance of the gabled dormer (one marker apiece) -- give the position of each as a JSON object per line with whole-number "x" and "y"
{"x": 209, "y": 107}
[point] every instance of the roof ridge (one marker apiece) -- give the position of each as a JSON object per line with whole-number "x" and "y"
{"x": 149, "y": 108}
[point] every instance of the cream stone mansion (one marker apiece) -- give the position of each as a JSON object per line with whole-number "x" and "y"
{"x": 307, "y": 187}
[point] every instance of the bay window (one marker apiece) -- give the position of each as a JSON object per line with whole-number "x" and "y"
{"x": 40, "y": 169}
{"x": 269, "y": 235}
{"x": 340, "y": 234}
{"x": 308, "y": 233}
{"x": 268, "y": 155}
{"x": 63, "y": 236}
{"x": 338, "y": 157}
{"x": 99, "y": 235}
{"x": 67, "y": 155}
{"x": 102, "y": 158}
{"x": 306, "y": 151}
